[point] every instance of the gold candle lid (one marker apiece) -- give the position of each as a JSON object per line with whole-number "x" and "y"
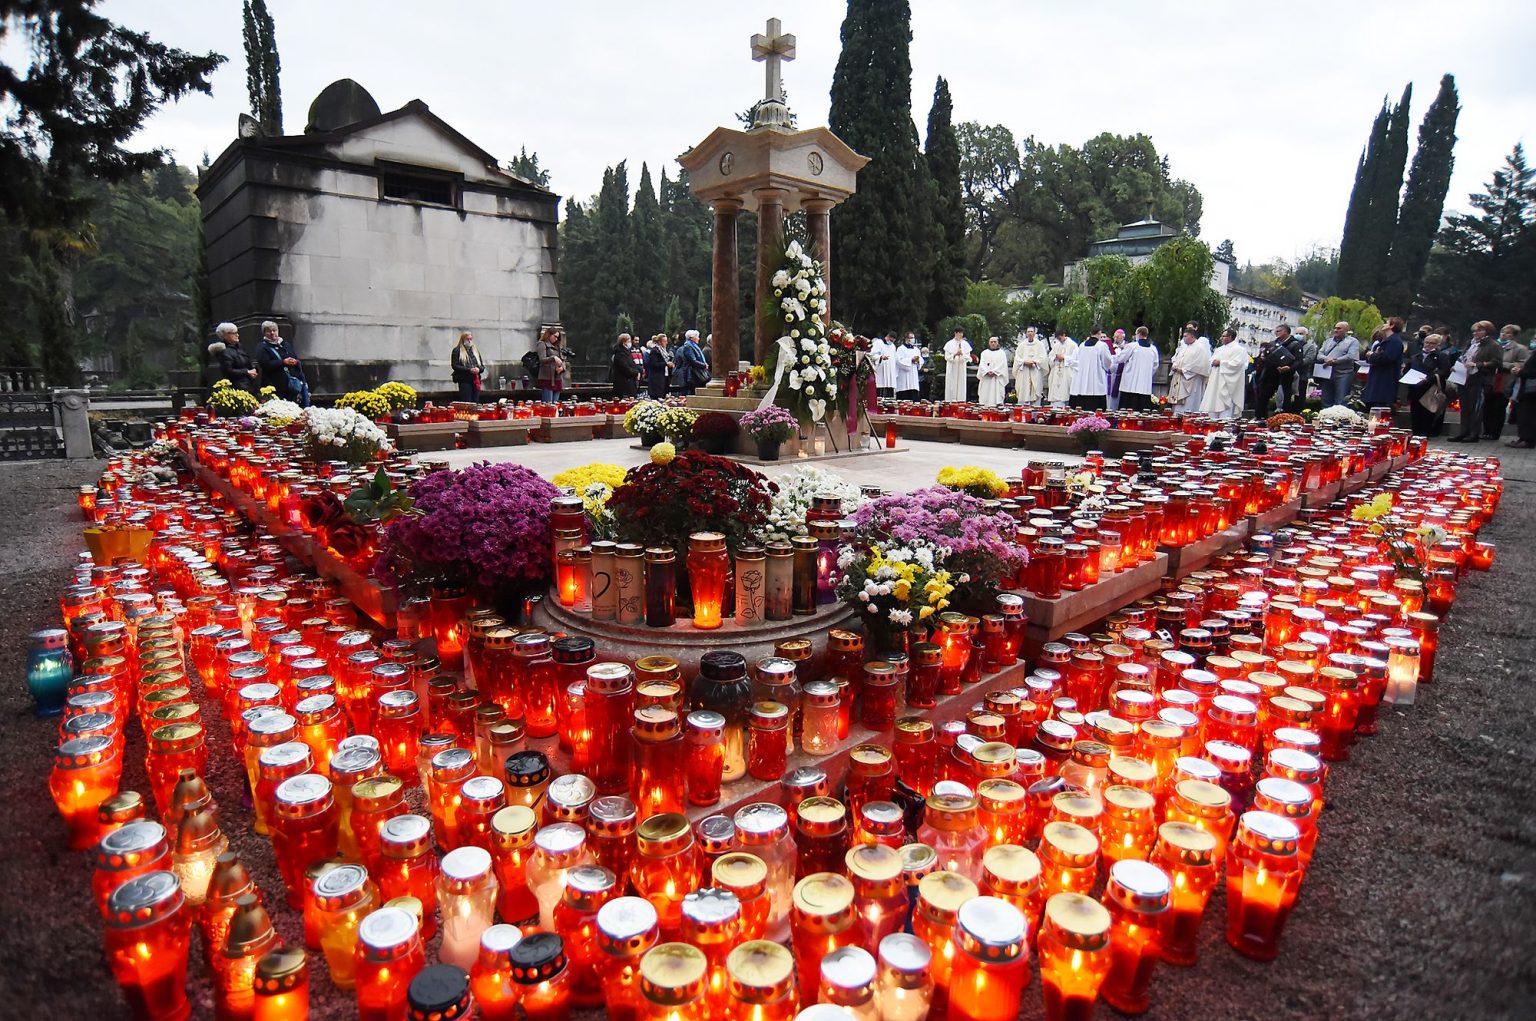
{"x": 1079, "y": 922}
{"x": 823, "y": 902}
{"x": 874, "y": 863}
{"x": 1184, "y": 843}
{"x": 1126, "y": 803}
{"x": 1069, "y": 844}
{"x": 1138, "y": 886}
{"x": 1206, "y": 798}
{"x": 1132, "y": 771}
{"x": 664, "y": 833}
{"x": 512, "y": 827}
{"x": 760, "y": 971}
{"x": 672, "y": 974}
{"x": 1010, "y": 869}
{"x": 745, "y": 874}
{"x": 941, "y": 893}
{"x": 1071, "y": 807}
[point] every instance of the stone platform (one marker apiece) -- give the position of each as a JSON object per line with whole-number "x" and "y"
{"x": 1049, "y": 619}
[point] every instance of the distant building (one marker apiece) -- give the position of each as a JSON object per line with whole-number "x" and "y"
{"x": 374, "y": 239}
{"x": 1136, "y": 242}
{"x": 1255, "y": 318}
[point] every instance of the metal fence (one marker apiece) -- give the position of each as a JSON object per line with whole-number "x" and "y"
{"x": 29, "y": 427}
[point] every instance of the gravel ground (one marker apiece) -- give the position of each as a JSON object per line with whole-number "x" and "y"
{"x": 1419, "y": 904}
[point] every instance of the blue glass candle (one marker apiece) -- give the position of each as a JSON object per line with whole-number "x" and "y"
{"x": 49, "y": 669}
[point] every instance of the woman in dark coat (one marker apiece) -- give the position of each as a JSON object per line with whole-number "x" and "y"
{"x": 625, "y": 369}
{"x": 1385, "y": 357}
{"x": 1435, "y": 361}
{"x": 658, "y": 367}
{"x": 467, "y": 367}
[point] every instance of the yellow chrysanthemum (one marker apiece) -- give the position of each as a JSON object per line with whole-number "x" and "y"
{"x": 663, "y": 453}
{"x": 1379, "y": 507}
{"x": 981, "y": 482}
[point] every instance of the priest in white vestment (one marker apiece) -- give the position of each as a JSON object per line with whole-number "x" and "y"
{"x": 1191, "y": 366}
{"x": 1138, "y": 368}
{"x": 882, "y": 352}
{"x": 992, "y": 374}
{"x": 1029, "y": 361}
{"x": 1224, "y": 387}
{"x": 1090, "y": 376}
{"x": 957, "y": 362}
{"x": 1058, "y": 372}
{"x": 908, "y": 358}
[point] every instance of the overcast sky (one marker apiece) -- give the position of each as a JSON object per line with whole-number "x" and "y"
{"x": 1264, "y": 106}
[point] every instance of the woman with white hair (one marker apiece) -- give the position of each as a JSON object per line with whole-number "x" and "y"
{"x": 235, "y": 365}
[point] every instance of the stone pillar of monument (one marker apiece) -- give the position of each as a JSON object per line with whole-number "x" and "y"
{"x": 818, "y": 224}
{"x": 770, "y": 253}
{"x": 725, "y": 290}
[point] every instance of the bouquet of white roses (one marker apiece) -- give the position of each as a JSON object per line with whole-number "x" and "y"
{"x": 805, "y": 375}
{"x": 342, "y": 434}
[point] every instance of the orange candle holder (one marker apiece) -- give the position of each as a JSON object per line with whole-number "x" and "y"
{"x": 282, "y": 986}
{"x": 1138, "y": 894}
{"x": 1073, "y": 950}
{"x": 1188, "y": 854}
{"x": 149, "y": 931}
{"x": 627, "y": 928}
{"x": 389, "y": 957}
{"x": 1263, "y": 878}
{"x": 86, "y": 772}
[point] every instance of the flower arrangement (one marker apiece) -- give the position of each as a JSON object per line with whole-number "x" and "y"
{"x": 1283, "y": 419}
{"x": 715, "y": 425}
{"x": 326, "y": 516}
{"x": 979, "y": 545}
{"x": 1092, "y": 424}
{"x": 662, "y": 504}
{"x": 230, "y": 401}
{"x": 279, "y": 412}
{"x": 797, "y": 488}
{"x": 677, "y": 423}
{"x": 644, "y": 419}
{"x": 399, "y": 395}
{"x": 370, "y": 403}
{"x": 663, "y": 453}
{"x": 342, "y": 434}
{"x": 806, "y": 378}
{"x": 757, "y": 376}
{"x": 772, "y": 424}
{"x": 896, "y": 586}
{"x": 486, "y": 526}
{"x": 982, "y": 483}
{"x": 1339, "y": 417}
{"x": 594, "y": 483}
{"x": 266, "y": 393}
{"x": 1407, "y": 548}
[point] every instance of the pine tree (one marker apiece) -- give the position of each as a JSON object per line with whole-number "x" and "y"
{"x": 1352, "y": 246}
{"x": 526, "y": 166}
{"x": 941, "y": 150}
{"x": 1418, "y": 221}
{"x": 575, "y": 274}
{"x": 647, "y": 282}
{"x": 263, "y": 68}
{"x": 881, "y": 236}
{"x": 1384, "y": 202}
{"x": 614, "y": 241}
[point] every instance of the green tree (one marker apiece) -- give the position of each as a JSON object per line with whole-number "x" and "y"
{"x": 1042, "y": 307}
{"x": 1317, "y": 272}
{"x": 576, "y": 276}
{"x": 526, "y": 165}
{"x": 1177, "y": 287}
{"x": 990, "y": 302}
{"x": 1363, "y": 317}
{"x": 263, "y": 68}
{"x": 1225, "y": 253}
{"x": 941, "y": 150}
{"x": 1352, "y": 272}
{"x": 1389, "y": 189}
{"x": 672, "y": 318}
{"x": 1371, "y": 219}
{"x": 1077, "y": 316}
{"x": 689, "y": 228}
{"x": 1485, "y": 260}
{"x": 882, "y": 237}
{"x": 1418, "y": 221}
{"x": 648, "y": 249}
{"x": 989, "y": 165}
{"x": 613, "y": 255}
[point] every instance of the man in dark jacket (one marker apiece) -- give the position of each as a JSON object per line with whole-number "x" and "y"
{"x": 692, "y": 368}
{"x": 626, "y": 367}
{"x": 235, "y": 364}
{"x": 1385, "y": 358}
{"x": 279, "y": 368}
{"x": 1277, "y": 367}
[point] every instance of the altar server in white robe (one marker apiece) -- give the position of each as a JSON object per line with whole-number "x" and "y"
{"x": 1060, "y": 365}
{"x": 1191, "y": 366}
{"x": 957, "y": 362}
{"x": 1138, "y": 363}
{"x": 1090, "y": 376}
{"x": 992, "y": 374}
{"x": 1224, "y": 387}
{"x": 908, "y": 358}
{"x": 882, "y": 351}
{"x": 1029, "y": 361}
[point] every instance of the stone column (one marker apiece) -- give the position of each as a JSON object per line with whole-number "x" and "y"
{"x": 725, "y": 291}
{"x": 770, "y": 252}
{"x": 818, "y": 223}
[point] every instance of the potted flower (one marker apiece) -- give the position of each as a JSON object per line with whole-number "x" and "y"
{"x": 677, "y": 424}
{"x": 769, "y": 427}
{"x": 714, "y": 432}
{"x": 1090, "y": 430}
{"x": 644, "y": 420}
{"x": 982, "y": 483}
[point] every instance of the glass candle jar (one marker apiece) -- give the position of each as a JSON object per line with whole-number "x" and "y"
{"x": 761, "y": 982}
{"x": 848, "y": 977}
{"x": 904, "y": 989}
{"x": 1187, "y": 854}
{"x": 450, "y": 769}
{"x": 1138, "y": 896}
{"x": 1128, "y": 827}
{"x": 440, "y": 991}
{"x": 610, "y": 705}
{"x": 660, "y": 762}
{"x": 1263, "y": 877}
{"x": 408, "y": 867}
{"x": 466, "y": 901}
{"x": 709, "y": 566}
{"x": 199, "y": 842}
{"x": 374, "y": 801}
{"x": 490, "y": 980}
{"x": 950, "y": 828}
{"x": 1205, "y": 805}
{"x": 537, "y": 679}
{"x": 879, "y": 888}
{"x": 1074, "y": 955}
{"x": 666, "y": 867}
{"x": 672, "y": 983}
{"x": 823, "y": 920}
{"x": 282, "y": 986}
{"x": 706, "y": 758}
{"x": 819, "y": 711}
{"x": 627, "y": 928}
{"x": 804, "y": 567}
{"x": 778, "y": 575}
{"x": 343, "y": 897}
{"x": 557, "y": 848}
{"x": 1069, "y": 858}
{"x": 480, "y": 798}
{"x": 878, "y": 698}
{"x": 991, "y": 961}
{"x": 250, "y": 937}
{"x": 660, "y": 586}
{"x": 85, "y": 774}
{"x": 768, "y": 740}
{"x": 940, "y": 895}
{"x": 763, "y": 829}
{"x": 587, "y": 888}
{"x": 722, "y": 687}
{"x": 172, "y": 748}
{"x": 304, "y": 829}
{"x": 389, "y": 957}
{"x": 821, "y": 834}
{"x": 512, "y": 830}
{"x": 148, "y": 936}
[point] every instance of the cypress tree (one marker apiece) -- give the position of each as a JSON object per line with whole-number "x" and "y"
{"x": 575, "y": 273}
{"x": 1351, "y": 280}
{"x": 1418, "y": 220}
{"x": 262, "y": 67}
{"x": 882, "y": 256}
{"x": 1384, "y": 201}
{"x": 646, "y": 283}
{"x": 614, "y": 249}
{"x": 941, "y": 150}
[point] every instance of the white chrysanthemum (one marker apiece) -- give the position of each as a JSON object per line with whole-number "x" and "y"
{"x": 901, "y": 618}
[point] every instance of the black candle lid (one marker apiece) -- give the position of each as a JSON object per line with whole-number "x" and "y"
{"x": 439, "y": 992}
{"x": 540, "y": 956}
{"x": 722, "y": 665}
{"x": 527, "y": 769}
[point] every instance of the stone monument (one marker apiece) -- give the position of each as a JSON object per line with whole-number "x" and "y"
{"x": 773, "y": 170}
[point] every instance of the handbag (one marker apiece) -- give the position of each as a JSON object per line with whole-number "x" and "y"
{"x": 1433, "y": 399}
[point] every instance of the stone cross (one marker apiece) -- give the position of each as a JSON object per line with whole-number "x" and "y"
{"x": 772, "y": 48}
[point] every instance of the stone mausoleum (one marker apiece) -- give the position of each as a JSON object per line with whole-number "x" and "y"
{"x": 373, "y": 239}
